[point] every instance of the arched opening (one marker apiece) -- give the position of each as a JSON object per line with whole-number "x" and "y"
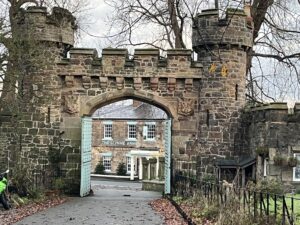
{"x": 89, "y": 107}
{"x": 130, "y": 136}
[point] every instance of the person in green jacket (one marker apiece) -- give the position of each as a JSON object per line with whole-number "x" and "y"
{"x": 3, "y": 184}
{"x": 3, "y": 199}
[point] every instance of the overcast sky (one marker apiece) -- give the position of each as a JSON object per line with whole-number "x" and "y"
{"x": 92, "y": 22}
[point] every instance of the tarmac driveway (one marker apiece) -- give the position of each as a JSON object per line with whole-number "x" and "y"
{"x": 113, "y": 203}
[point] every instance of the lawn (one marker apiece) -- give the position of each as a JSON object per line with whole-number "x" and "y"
{"x": 288, "y": 200}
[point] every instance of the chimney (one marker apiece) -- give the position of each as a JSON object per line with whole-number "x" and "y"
{"x": 136, "y": 103}
{"x": 247, "y": 10}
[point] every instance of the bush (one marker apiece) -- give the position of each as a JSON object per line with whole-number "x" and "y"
{"x": 59, "y": 184}
{"x": 22, "y": 180}
{"x": 121, "y": 170}
{"x": 269, "y": 186}
{"x": 99, "y": 168}
{"x": 262, "y": 151}
{"x": 292, "y": 161}
{"x": 280, "y": 160}
{"x": 209, "y": 178}
{"x": 210, "y": 212}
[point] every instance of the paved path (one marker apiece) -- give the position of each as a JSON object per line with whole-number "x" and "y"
{"x": 113, "y": 203}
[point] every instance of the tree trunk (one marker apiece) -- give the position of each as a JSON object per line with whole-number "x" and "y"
{"x": 175, "y": 26}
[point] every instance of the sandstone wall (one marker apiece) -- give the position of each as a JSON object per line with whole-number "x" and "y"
{"x": 270, "y": 126}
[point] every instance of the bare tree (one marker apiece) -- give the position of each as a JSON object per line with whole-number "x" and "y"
{"x": 166, "y": 24}
{"x": 275, "y": 59}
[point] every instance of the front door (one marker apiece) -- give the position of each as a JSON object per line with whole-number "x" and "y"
{"x": 86, "y": 155}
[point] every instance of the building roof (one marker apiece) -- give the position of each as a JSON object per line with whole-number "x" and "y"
{"x": 241, "y": 162}
{"x": 127, "y": 110}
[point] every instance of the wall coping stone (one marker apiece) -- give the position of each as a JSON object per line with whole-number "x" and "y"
{"x": 146, "y": 51}
{"x": 207, "y": 12}
{"x": 114, "y": 51}
{"x": 177, "y": 51}
{"x": 36, "y": 9}
{"x": 236, "y": 12}
{"x": 270, "y": 106}
{"x": 84, "y": 51}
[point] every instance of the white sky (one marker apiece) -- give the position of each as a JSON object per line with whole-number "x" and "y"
{"x": 94, "y": 24}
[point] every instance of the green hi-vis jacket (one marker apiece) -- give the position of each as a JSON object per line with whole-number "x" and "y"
{"x": 3, "y": 184}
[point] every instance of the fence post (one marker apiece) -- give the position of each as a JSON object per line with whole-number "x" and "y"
{"x": 283, "y": 210}
{"x": 268, "y": 208}
{"x": 292, "y": 207}
{"x": 254, "y": 204}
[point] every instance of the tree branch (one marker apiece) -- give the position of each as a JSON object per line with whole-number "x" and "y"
{"x": 277, "y": 57}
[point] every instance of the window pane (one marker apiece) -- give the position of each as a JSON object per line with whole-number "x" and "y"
{"x": 151, "y": 131}
{"x": 132, "y": 131}
{"x": 107, "y": 163}
{"x": 297, "y": 169}
{"x": 128, "y": 162}
{"x": 297, "y": 173}
{"x": 107, "y": 130}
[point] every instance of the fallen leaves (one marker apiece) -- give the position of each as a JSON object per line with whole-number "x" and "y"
{"x": 13, "y": 215}
{"x": 168, "y": 211}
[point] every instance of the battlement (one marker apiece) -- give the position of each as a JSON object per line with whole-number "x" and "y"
{"x": 210, "y": 31}
{"x": 145, "y": 62}
{"x": 59, "y": 26}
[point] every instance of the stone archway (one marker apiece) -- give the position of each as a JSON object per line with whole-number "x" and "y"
{"x": 87, "y": 109}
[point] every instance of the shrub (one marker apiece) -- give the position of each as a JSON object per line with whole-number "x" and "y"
{"x": 22, "y": 180}
{"x": 210, "y": 212}
{"x": 121, "y": 170}
{"x": 99, "y": 168}
{"x": 59, "y": 184}
{"x": 292, "y": 161}
{"x": 209, "y": 178}
{"x": 270, "y": 186}
{"x": 262, "y": 151}
{"x": 280, "y": 160}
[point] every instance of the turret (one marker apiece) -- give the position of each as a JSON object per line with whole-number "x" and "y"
{"x": 221, "y": 45}
{"x": 57, "y": 27}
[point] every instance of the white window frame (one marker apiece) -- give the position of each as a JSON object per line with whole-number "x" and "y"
{"x": 146, "y": 131}
{"x": 106, "y": 159}
{"x": 128, "y": 164}
{"x": 296, "y": 168}
{"x": 265, "y": 164}
{"x": 106, "y": 125}
{"x": 130, "y": 124}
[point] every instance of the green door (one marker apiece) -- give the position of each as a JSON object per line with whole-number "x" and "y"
{"x": 168, "y": 155}
{"x": 86, "y": 155}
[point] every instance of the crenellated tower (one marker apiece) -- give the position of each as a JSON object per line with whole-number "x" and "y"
{"x": 45, "y": 39}
{"x": 221, "y": 46}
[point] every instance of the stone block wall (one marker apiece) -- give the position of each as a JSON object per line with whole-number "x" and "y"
{"x": 271, "y": 126}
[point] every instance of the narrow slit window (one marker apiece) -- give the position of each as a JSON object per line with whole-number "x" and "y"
{"x": 207, "y": 118}
{"x": 236, "y": 91}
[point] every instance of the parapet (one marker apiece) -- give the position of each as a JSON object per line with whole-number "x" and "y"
{"x": 59, "y": 26}
{"x": 210, "y": 31}
{"x": 144, "y": 63}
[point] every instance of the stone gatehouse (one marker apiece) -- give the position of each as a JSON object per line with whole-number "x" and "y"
{"x": 203, "y": 98}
